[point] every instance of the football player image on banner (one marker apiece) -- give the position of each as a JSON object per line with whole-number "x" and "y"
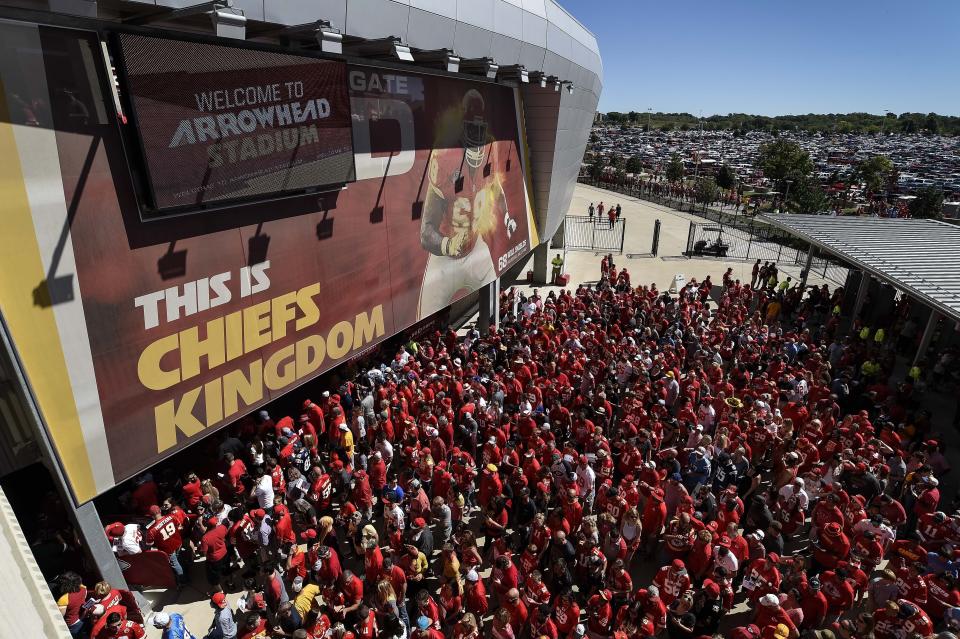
{"x": 464, "y": 205}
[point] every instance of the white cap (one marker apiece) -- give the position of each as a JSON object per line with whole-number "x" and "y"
{"x": 472, "y": 575}
{"x": 770, "y": 600}
{"x": 326, "y": 393}
{"x": 160, "y": 620}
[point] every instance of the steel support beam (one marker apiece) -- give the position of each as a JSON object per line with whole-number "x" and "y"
{"x": 865, "y": 279}
{"x": 928, "y": 332}
{"x": 806, "y": 269}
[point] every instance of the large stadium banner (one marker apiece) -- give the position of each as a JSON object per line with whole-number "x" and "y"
{"x": 140, "y": 337}
{"x": 220, "y": 123}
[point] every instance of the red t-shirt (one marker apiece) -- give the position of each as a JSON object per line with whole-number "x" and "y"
{"x": 192, "y": 493}
{"x": 214, "y": 544}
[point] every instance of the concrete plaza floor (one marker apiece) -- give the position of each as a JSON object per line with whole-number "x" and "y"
{"x": 640, "y": 215}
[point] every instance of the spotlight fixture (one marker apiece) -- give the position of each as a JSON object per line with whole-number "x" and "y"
{"x": 480, "y": 66}
{"x": 538, "y": 77}
{"x": 390, "y": 48}
{"x": 514, "y": 72}
{"x": 444, "y": 59}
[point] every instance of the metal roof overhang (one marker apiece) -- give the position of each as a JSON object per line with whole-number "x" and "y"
{"x": 919, "y": 257}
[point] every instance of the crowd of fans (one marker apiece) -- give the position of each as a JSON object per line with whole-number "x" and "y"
{"x": 614, "y": 462}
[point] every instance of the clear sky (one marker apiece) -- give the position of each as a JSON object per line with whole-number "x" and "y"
{"x": 776, "y": 57}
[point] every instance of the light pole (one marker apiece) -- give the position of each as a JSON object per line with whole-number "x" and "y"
{"x": 883, "y": 122}
{"x": 786, "y": 194}
{"x": 649, "y": 111}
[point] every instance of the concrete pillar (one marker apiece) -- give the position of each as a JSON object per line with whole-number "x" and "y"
{"x": 489, "y": 306}
{"x": 927, "y": 335}
{"x": 541, "y": 263}
{"x": 806, "y": 268}
{"x": 861, "y": 295}
{"x": 90, "y": 529}
{"x": 558, "y": 237}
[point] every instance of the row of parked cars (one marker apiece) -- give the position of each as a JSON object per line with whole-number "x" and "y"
{"x": 920, "y": 160}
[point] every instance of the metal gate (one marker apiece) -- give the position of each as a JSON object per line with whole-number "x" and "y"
{"x": 584, "y": 233}
{"x": 756, "y": 241}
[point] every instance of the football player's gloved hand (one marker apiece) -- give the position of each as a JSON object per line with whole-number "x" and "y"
{"x": 509, "y": 223}
{"x": 460, "y": 221}
{"x": 452, "y": 246}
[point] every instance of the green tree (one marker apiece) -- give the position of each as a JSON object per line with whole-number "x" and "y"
{"x": 616, "y": 161}
{"x": 675, "y": 169}
{"x": 783, "y": 160}
{"x": 633, "y": 116}
{"x": 808, "y": 197}
{"x": 928, "y": 204}
{"x": 705, "y": 191}
{"x": 633, "y": 164}
{"x": 597, "y": 167}
{"x": 726, "y": 177}
{"x": 932, "y": 123}
{"x": 620, "y": 176}
{"x": 874, "y": 172}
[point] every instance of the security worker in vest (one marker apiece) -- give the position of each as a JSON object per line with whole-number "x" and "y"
{"x": 557, "y": 268}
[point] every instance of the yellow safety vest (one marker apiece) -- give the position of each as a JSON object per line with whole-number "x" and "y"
{"x": 914, "y": 373}
{"x": 865, "y": 333}
{"x": 879, "y": 336}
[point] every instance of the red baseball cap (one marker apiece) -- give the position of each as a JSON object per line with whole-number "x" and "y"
{"x": 419, "y": 522}
{"x": 219, "y": 599}
{"x": 711, "y": 587}
{"x": 258, "y": 513}
{"x": 154, "y": 510}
